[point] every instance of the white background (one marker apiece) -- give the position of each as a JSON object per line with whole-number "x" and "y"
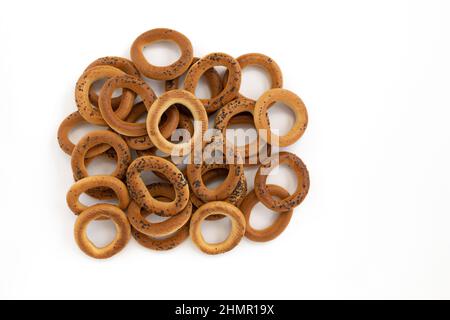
{"x": 375, "y": 77}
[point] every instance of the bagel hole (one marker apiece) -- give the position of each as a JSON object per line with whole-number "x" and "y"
{"x": 218, "y": 231}
{"x": 163, "y": 119}
{"x": 212, "y": 120}
{"x": 179, "y": 135}
{"x": 89, "y": 201}
{"x": 142, "y": 118}
{"x": 101, "y": 165}
{"x": 81, "y": 130}
{"x": 98, "y": 85}
{"x": 134, "y": 154}
{"x": 157, "y": 86}
{"x": 255, "y": 81}
{"x": 138, "y": 99}
{"x": 184, "y": 110}
{"x": 202, "y": 90}
{"x": 154, "y": 218}
{"x": 242, "y": 133}
{"x": 218, "y": 180}
{"x": 181, "y": 80}
{"x": 213, "y": 155}
{"x": 283, "y": 176}
{"x": 159, "y": 153}
{"x": 162, "y": 53}
{"x": 149, "y": 177}
{"x": 181, "y": 162}
{"x": 221, "y": 70}
{"x": 281, "y": 118}
{"x": 261, "y": 217}
{"x": 101, "y": 232}
{"x": 223, "y": 73}
{"x": 217, "y": 154}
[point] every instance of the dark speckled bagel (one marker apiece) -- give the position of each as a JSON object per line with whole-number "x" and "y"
{"x": 140, "y": 194}
{"x": 164, "y": 228}
{"x": 212, "y": 78}
{"x": 70, "y": 122}
{"x": 93, "y": 139}
{"x": 102, "y": 193}
{"x": 231, "y": 90}
{"x": 283, "y": 205}
{"x": 90, "y": 113}
{"x": 263, "y": 61}
{"x": 136, "y": 85}
{"x": 119, "y": 188}
{"x": 172, "y": 71}
{"x": 194, "y": 174}
{"x": 117, "y": 62}
{"x": 161, "y": 243}
{"x": 213, "y": 172}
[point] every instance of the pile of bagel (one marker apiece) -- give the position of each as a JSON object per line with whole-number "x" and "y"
{"x": 185, "y": 162}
